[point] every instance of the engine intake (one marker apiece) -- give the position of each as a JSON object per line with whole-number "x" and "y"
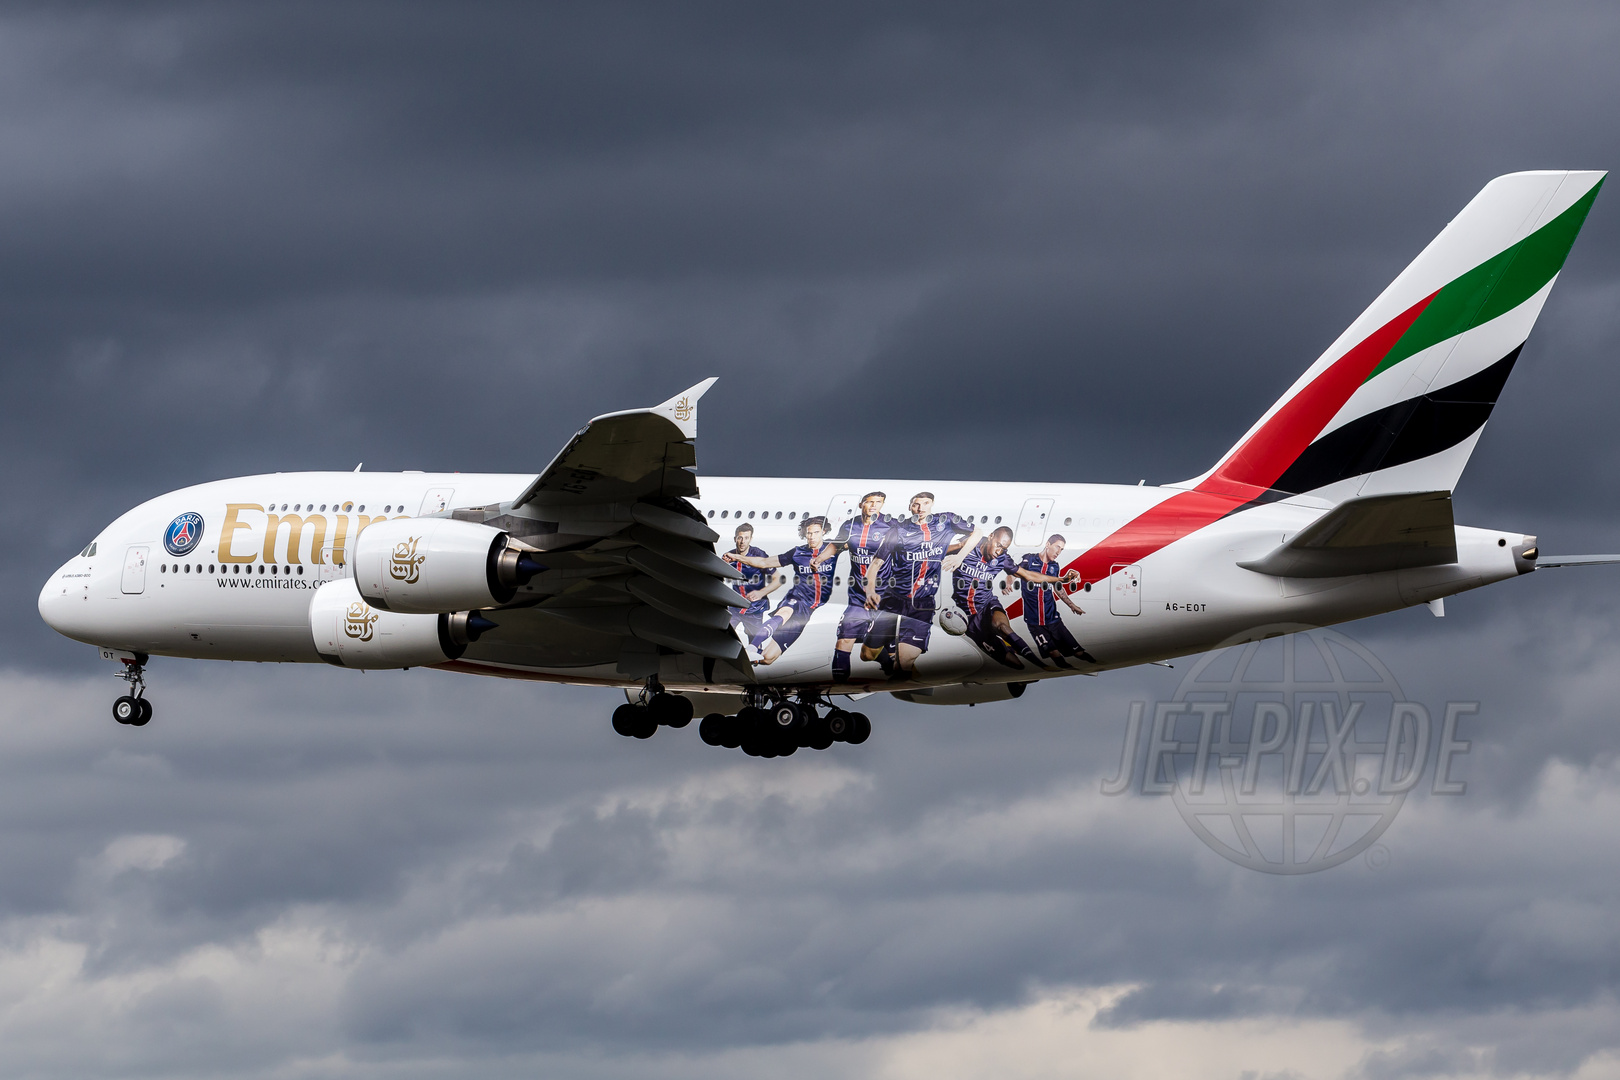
{"x": 429, "y": 565}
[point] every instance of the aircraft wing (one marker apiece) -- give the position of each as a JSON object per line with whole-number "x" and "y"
{"x": 630, "y": 564}
{"x": 630, "y": 455}
{"x": 1369, "y": 535}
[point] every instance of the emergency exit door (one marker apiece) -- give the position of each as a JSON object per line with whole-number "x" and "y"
{"x": 1125, "y": 590}
{"x": 436, "y": 501}
{"x": 134, "y": 580}
{"x": 840, "y": 510}
{"x": 1032, "y": 522}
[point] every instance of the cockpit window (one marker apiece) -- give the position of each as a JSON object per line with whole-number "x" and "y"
{"x": 88, "y": 552}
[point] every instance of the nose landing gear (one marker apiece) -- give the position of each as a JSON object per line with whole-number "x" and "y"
{"x": 133, "y": 708}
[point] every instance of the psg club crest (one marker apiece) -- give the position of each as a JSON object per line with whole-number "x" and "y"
{"x": 183, "y": 534}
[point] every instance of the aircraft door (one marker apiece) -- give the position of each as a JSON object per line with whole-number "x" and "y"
{"x": 436, "y": 501}
{"x": 840, "y": 510}
{"x": 330, "y": 569}
{"x": 1033, "y": 521}
{"x": 1125, "y": 589}
{"x": 135, "y": 570}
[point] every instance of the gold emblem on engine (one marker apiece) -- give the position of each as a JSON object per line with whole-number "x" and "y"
{"x": 405, "y": 564}
{"x": 358, "y": 621}
{"x": 683, "y": 409}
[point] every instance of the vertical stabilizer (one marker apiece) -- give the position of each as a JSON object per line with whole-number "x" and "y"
{"x": 1398, "y": 402}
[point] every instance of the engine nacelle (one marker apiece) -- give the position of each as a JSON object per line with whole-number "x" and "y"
{"x": 429, "y": 565}
{"x": 352, "y": 633}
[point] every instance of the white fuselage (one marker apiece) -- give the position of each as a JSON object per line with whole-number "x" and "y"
{"x": 243, "y": 594}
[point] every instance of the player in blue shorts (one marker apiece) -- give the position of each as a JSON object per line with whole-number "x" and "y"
{"x": 1046, "y": 627}
{"x": 913, "y": 557}
{"x": 973, "y": 589}
{"x": 863, "y": 537}
{"x": 812, "y": 587}
{"x": 756, "y": 586}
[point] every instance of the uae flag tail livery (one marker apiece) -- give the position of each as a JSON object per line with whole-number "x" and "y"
{"x": 1398, "y": 402}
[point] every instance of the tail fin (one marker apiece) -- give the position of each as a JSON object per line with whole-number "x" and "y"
{"x": 1399, "y": 400}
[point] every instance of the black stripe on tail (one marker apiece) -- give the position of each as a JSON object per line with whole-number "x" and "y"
{"x": 1406, "y": 431}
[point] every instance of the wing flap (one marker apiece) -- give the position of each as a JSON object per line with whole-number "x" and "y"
{"x": 668, "y": 521}
{"x": 690, "y": 582}
{"x": 687, "y": 553}
{"x": 678, "y": 605}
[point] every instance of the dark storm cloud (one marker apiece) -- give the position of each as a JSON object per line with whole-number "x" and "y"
{"x": 1056, "y": 242}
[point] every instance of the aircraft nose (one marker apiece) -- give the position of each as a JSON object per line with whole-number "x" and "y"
{"x": 53, "y": 602}
{"x": 61, "y": 605}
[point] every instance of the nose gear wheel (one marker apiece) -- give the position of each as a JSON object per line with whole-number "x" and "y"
{"x": 133, "y": 708}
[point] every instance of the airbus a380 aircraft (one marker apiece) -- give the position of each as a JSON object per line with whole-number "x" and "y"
{"x": 758, "y": 600}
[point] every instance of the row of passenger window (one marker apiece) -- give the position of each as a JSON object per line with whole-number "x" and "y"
{"x": 984, "y": 519}
{"x": 783, "y": 579}
{"x": 346, "y": 508}
{"x": 236, "y": 568}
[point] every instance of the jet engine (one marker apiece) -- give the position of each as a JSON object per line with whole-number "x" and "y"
{"x": 428, "y": 565}
{"x": 351, "y": 633}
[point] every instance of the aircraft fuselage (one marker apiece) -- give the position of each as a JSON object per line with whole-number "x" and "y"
{"x": 269, "y": 543}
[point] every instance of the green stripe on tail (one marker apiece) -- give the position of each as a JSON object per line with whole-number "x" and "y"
{"x": 1494, "y": 287}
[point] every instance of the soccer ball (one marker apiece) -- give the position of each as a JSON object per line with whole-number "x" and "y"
{"x": 953, "y": 622}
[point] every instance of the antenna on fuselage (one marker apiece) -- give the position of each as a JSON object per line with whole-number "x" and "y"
{"x": 357, "y": 467}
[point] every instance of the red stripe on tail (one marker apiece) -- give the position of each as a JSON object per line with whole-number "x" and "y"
{"x": 1253, "y": 467}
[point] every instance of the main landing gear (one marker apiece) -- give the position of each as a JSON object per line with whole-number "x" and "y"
{"x": 133, "y": 708}
{"x": 772, "y": 725}
{"x": 641, "y": 719}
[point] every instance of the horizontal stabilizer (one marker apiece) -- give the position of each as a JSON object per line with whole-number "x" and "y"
{"x": 1368, "y": 536}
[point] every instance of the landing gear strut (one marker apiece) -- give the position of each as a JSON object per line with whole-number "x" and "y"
{"x": 654, "y": 708}
{"x": 133, "y": 708}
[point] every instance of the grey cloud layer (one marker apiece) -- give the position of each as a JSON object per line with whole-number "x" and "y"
{"x": 467, "y": 887}
{"x": 1053, "y": 242}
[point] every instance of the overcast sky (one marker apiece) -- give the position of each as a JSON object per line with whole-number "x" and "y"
{"x": 1056, "y": 242}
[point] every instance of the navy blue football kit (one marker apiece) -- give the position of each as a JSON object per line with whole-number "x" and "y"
{"x": 864, "y": 540}
{"x": 911, "y": 559}
{"x": 754, "y": 578}
{"x": 1046, "y": 627}
{"x": 812, "y": 587}
{"x": 974, "y": 592}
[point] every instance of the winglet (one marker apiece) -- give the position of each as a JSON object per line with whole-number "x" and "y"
{"x": 682, "y": 408}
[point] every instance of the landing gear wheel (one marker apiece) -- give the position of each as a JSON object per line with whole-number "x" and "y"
{"x": 788, "y": 719}
{"x": 818, "y": 733}
{"x": 713, "y": 729}
{"x": 860, "y": 729}
{"x": 752, "y": 730}
{"x": 127, "y": 709}
{"x": 628, "y": 719}
{"x": 838, "y": 725}
{"x": 145, "y": 713}
{"x": 671, "y": 710}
